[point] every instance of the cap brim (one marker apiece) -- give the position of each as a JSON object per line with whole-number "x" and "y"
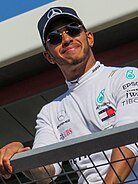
{"x": 57, "y": 17}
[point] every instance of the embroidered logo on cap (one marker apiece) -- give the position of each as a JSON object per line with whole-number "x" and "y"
{"x": 53, "y": 12}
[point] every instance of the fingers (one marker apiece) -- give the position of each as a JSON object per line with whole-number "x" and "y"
{"x": 24, "y": 149}
{"x": 5, "y": 167}
{"x": 6, "y": 153}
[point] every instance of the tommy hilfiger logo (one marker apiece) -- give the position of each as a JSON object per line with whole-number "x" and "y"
{"x": 106, "y": 113}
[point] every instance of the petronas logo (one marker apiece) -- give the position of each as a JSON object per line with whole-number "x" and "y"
{"x": 130, "y": 74}
{"x": 100, "y": 97}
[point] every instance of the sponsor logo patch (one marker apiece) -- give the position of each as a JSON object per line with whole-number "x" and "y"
{"x": 65, "y": 134}
{"x": 106, "y": 113}
{"x": 112, "y": 73}
{"x": 131, "y": 97}
{"x": 130, "y": 101}
{"x": 132, "y": 93}
{"x": 129, "y": 84}
{"x": 130, "y": 74}
{"x": 100, "y": 97}
{"x": 62, "y": 118}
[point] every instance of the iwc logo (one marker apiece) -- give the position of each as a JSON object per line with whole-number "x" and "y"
{"x": 53, "y": 12}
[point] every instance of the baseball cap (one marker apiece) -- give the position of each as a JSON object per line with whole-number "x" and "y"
{"x": 53, "y": 14}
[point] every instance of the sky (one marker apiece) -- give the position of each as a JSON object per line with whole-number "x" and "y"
{"x": 11, "y": 8}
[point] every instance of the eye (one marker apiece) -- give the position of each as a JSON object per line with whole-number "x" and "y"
{"x": 54, "y": 38}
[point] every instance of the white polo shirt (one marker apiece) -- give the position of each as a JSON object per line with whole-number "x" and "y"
{"x": 103, "y": 98}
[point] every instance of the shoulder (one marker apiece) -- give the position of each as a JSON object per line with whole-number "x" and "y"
{"x": 54, "y": 103}
{"x": 122, "y": 73}
{"x": 122, "y": 78}
{"x": 118, "y": 77}
{"x": 128, "y": 71}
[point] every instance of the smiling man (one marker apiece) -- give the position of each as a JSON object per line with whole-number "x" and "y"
{"x": 95, "y": 101}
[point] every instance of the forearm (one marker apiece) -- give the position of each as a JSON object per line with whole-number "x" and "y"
{"x": 122, "y": 168}
{"x": 43, "y": 175}
{"x": 6, "y": 153}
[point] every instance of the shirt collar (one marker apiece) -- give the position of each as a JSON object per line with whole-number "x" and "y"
{"x": 91, "y": 72}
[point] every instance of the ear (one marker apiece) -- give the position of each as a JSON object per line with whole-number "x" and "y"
{"x": 90, "y": 38}
{"x": 47, "y": 55}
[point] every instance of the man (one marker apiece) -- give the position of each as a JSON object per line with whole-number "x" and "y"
{"x": 93, "y": 89}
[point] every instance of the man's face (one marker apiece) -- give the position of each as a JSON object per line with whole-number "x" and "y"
{"x": 71, "y": 50}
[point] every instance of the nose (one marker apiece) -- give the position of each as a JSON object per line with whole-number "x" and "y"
{"x": 66, "y": 39}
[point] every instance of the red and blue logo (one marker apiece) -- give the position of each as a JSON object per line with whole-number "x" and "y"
{"x": 106, "y": 113}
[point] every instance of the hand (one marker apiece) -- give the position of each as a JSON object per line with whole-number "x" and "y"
{"x": 5, "y": 155}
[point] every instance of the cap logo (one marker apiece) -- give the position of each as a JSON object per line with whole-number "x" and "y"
{"x": 53, "y": 12}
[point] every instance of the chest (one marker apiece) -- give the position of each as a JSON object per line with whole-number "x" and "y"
{"x": 81, "y": 112}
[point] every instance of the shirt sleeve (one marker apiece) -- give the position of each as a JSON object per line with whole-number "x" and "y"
{"x": 125, "y": 93}
{"x": 45, "y": 134}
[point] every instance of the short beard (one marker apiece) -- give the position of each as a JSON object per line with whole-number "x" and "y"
{"x": 82, "y": 60}
{"x": 75, "y": 62}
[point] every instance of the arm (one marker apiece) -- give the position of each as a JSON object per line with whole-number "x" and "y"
{"x": 122, "y": 90}
{"x": 5, "y": 155}
{"x": 122, "y": 168}
{"x": 42, "y": 174}
{"x": 6, "y": 169}
{"x": 44, "y": 136}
